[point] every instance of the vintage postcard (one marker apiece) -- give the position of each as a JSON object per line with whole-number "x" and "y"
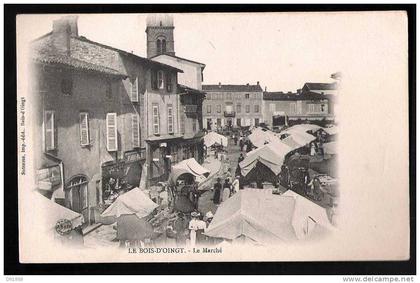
{"x": 198, "y": 137}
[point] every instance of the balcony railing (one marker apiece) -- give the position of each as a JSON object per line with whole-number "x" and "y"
{"x": 230, "y": 113}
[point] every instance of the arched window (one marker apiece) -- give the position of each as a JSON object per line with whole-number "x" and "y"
{"x": 159, "y": 46}
{"x": 77, "y": 194}
{"x": 163, "y": 46}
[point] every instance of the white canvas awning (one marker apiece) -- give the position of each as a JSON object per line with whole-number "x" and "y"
{"x": 192, "y": 166}
{"x": 131, "y": 202}
{"x": 47, "y": 213}
{"x": 267, "y": 219}
{"x": 214, "y": 138}
{"x": 271, "y": 155}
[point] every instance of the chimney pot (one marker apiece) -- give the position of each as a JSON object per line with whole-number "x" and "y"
{"x": 265, "y": 88}
{"x": 258, "y": 82}
{"x": 220, "y": 85}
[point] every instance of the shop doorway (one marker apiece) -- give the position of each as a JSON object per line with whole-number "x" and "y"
{"x": 77, "y": 195}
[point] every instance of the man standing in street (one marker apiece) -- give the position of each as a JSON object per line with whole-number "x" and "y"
{"x": 217, "y": 189}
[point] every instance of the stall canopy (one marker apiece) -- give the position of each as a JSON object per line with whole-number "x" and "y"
{"x": 331, "y": 130}
{"x": 179, "y": 173}
{"x": 192, "y": 166}
{"x": 131, "y": 202}
{"x": 298, "y": 139}
{"x": 213, "y": 138}
{"x": 259, "y": 138}
{"x": 271, "y": 155}
{"x": 302, "y": 128}
{"x": 305, "y": 208}
{"x": 330, "y": 148}
{"x": 264, "y": 218}
{"x": 46, "y": 213}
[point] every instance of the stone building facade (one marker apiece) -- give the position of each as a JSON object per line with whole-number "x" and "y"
{"x": 232, "y": 105}
{"x": 96, "y": 101}
{"x": 281, "y": 108}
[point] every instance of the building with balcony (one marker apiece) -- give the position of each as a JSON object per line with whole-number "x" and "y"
{"x": 190, "y": 95}
{"x": 232, "y": 105}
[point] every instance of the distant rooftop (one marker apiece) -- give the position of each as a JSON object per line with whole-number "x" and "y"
{"x": 233, "y": 88}
{"x": 320, "y": 86}
{"x": 282, "y": 96}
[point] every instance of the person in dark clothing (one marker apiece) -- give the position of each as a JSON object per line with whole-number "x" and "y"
{"x": 241, "y": 144}
{"x": 180, "y": 226}
{"x": 217, "y": 190}
{"x": 240, "y": 158}
{"x": 235, "y": 139}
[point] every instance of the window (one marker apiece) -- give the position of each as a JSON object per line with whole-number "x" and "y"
{"x": 247, "y": 96}
{"x": 111, "y": 132}
{"x": 311, "y": 108}
{"x": 247, "y": 108}
{"x": 238, "y": 108}
{"x": 219, "y": 122}
{"x": 219, "y": 108}
{"x": 135, "y": 130}
{"x": 67, "y": 85}
{"x": 208, "y": 108}
{"x": 182, "y": 124}
{"x": 155, "y": 119}
{"x": 49, "y": 130}
{"x": 194, "y": 125}
{"x": 208, "y": 96}
{"x": 163, "y": 46}
{"x": 154, "y": 79}
{"x": 108, "y": 89}
{"x": 228, "y": 96}
{"x": 134, "y": 90}
{"x": 255, "y": 95}
{"x": 158, "y": 46}
{"x": 272, "y": 107}
{"x": 292, "y": 107}
{"x": 256, "y": 108}
{"x": 257, "y": 122}
{"x": 322, "y": 107}
{"x": 160, "y": 80}
{"x": 84, "y": 129}
{"x": 170, "y": 119}
{"x": 168, "y": 82}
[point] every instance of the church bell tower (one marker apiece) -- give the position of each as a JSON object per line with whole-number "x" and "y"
{"x": 160, "y": 35}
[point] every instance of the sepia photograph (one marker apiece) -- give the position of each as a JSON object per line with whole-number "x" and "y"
{"x": 208, "y": 137}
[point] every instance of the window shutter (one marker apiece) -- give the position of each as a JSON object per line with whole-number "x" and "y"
{"x": 160, "y": 80}
{"x": 156, "y": 119}
{"x": 170, "y": 120}
{"x": 168, "y": 82}
{"x": 49, "y": 130}
{"x": 111, "y": 132}
{"x": 134, "y": 90}
{"x": 154, "y": 79}
{"x": 135, "y": 130}
{"x": 84, "y": 129}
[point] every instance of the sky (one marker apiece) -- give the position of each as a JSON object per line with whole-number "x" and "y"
{"x": 280, "y": 50}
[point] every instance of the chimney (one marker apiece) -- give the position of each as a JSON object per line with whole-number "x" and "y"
{"x": 220, "y": 85}
{"x": 265, "y": 89}
{"x": 299, "y": 91}
{"x": 72, "y": 22}
{"x": 61, "y": 36}
{"x": 258, "y": 82}
{"x": 247, "y": 84}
